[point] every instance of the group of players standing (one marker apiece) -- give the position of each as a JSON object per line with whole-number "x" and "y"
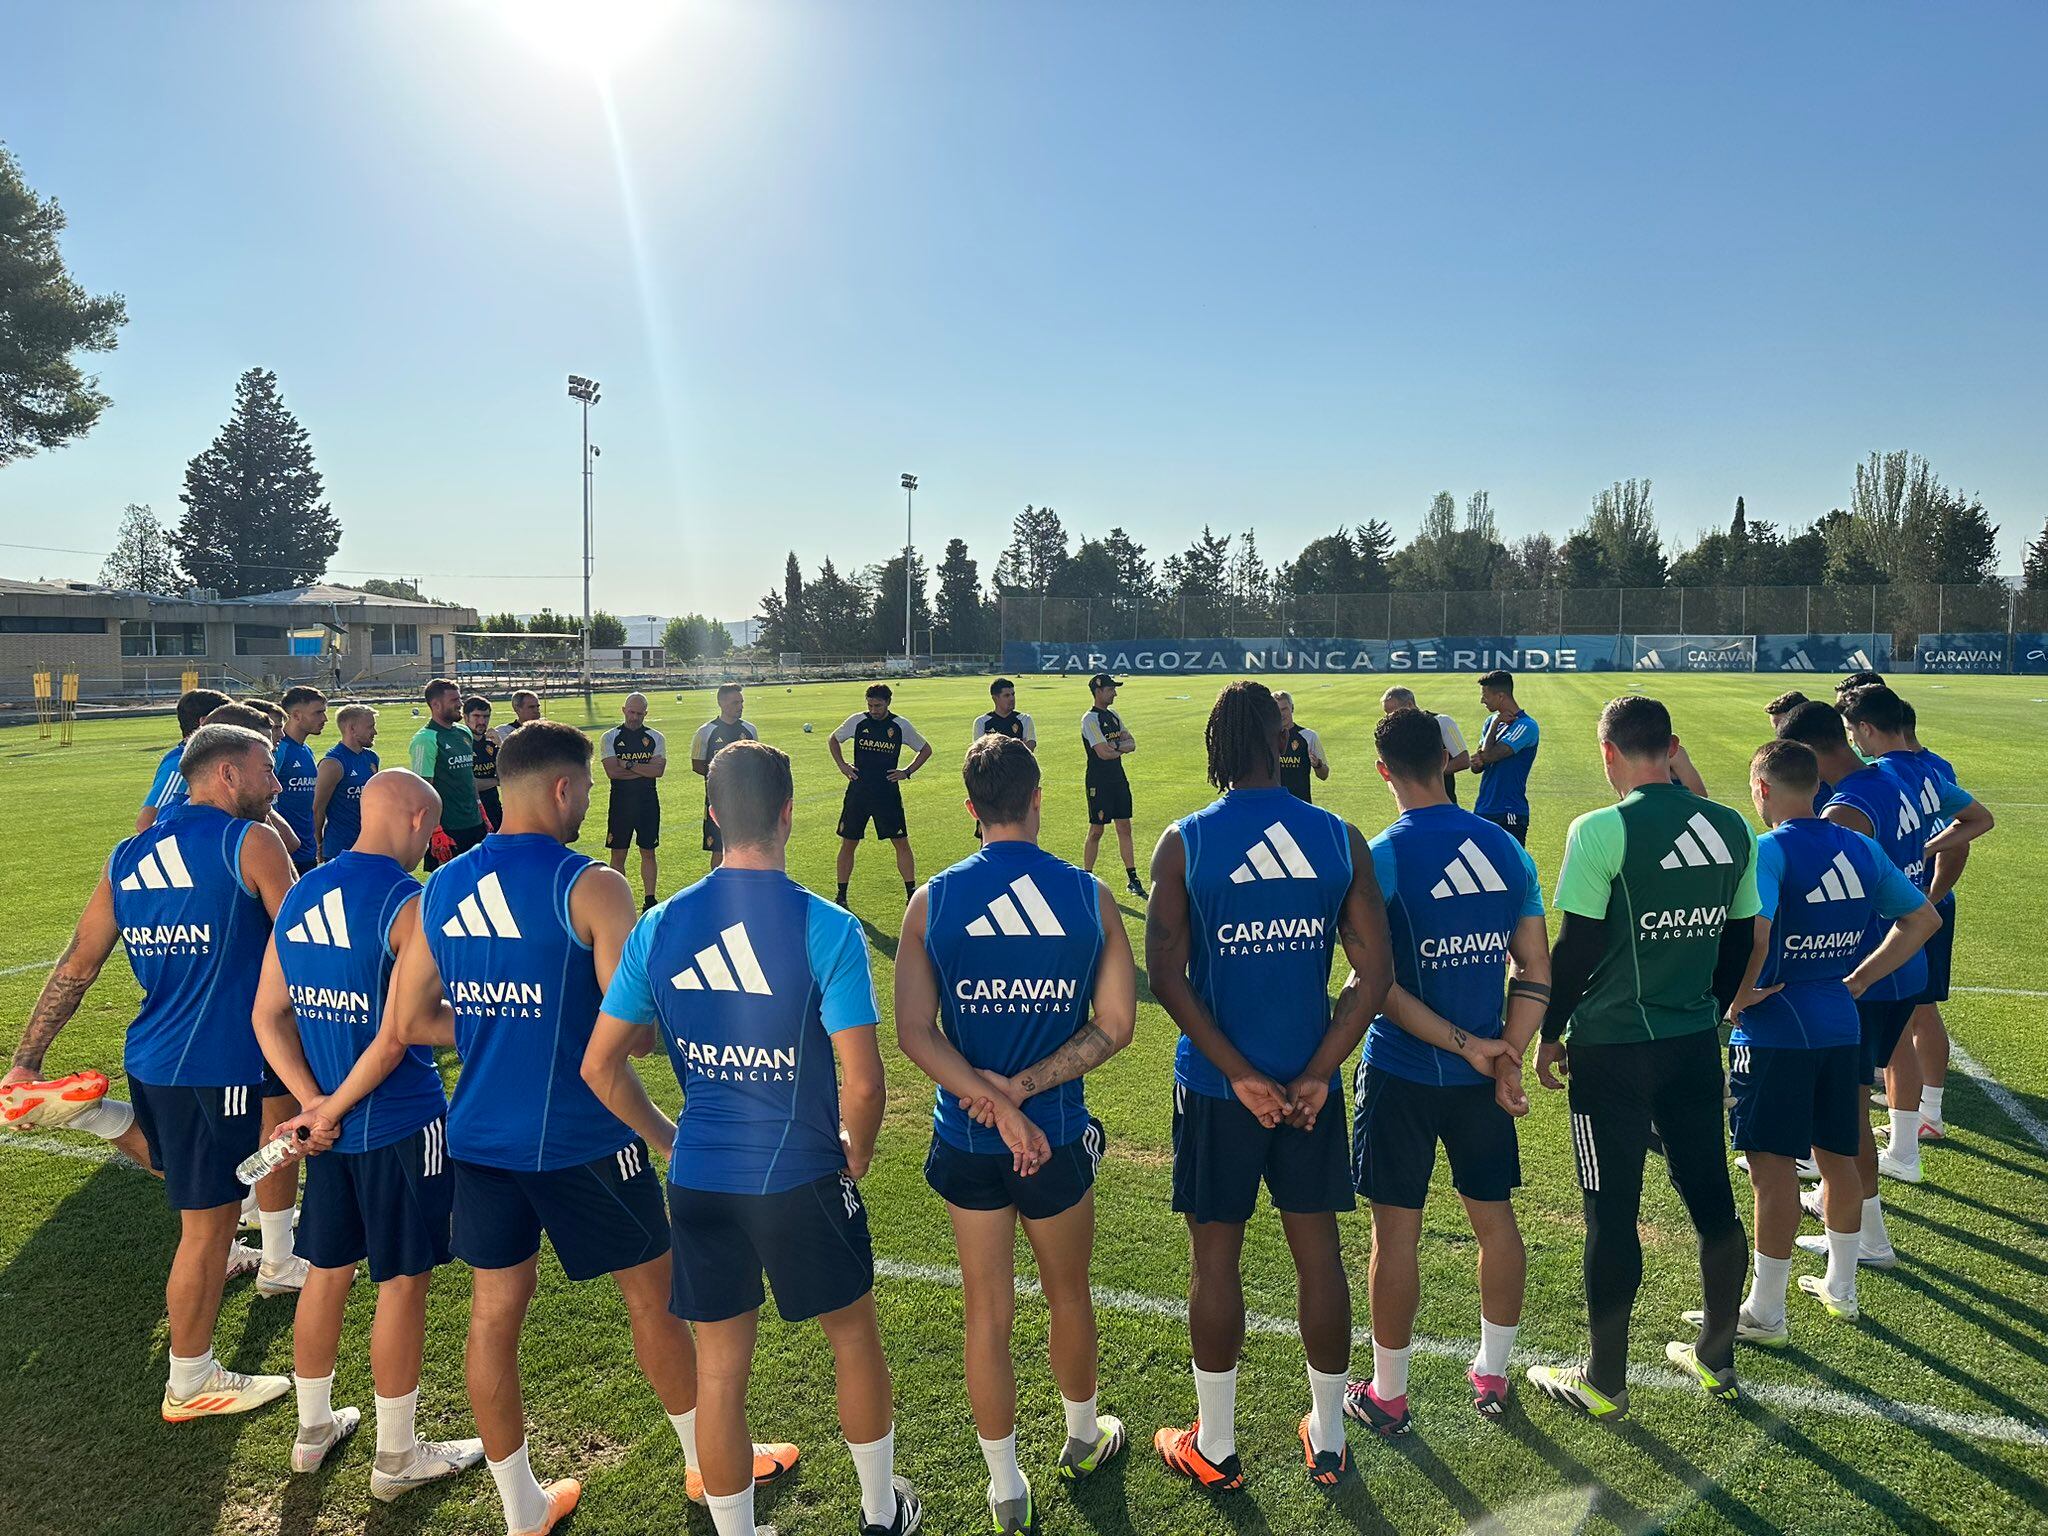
{"x": 1013, "y": 980}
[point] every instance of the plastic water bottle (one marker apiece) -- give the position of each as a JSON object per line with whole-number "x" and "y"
{"x": 268, "y": 1158}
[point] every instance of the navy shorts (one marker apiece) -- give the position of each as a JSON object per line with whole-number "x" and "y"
{"x": 1940, "y": 952}
{"x": 390, "y": 1205}
{"x": 1883, "y": 1025}
{"x": 1400, "y": 1122}
{"x": 1510, "y": 822}
{"x": 873, "y": 800}
{"x": 1221, "y": 1154}
{"x": 602, "y": 1216}
{"x": 197, "y": 1137}
{"x": 273, "y": 1085}
{"x": 633, "y": 819}
{"x": 1109, "y": 796}
{"x": 811, "y": 1242}
{"x": 989, "y": 1181}
{"x": 1789, "y": 1099}
{"x": 714, "y": 840}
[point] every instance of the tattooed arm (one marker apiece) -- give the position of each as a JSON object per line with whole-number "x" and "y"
{"x": 1115, "y": 1014}
{"x": 90, "y": 945}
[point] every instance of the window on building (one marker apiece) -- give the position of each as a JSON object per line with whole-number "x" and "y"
{"x": 395, "y": 639}
{"x": 46, "y": 624}
{"x": 149, "y": 637}
{"x": 262, "y": 640}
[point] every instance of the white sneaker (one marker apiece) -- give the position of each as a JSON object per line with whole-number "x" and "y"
{"x": 250, "y": 1212}
{"x": 312, "y": 1445}
{"x": 1882, "y": 1258}
{"x": 396, "y": 1472}
{"x": 1747, "y": 1329}
{"x": 1810, "y": 1202}
{"x": 1817, "y": 1287}
{"x": 225, "y": 1392}
{"x": 242, "y": 1260}
{"x": 1905, "y": 1170}
{"x": 282, "y": 1279}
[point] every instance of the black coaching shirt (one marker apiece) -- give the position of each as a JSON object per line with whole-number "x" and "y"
{"x": 878, "y": 744}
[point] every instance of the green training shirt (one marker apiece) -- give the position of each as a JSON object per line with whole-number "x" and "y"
{"x": 1664, "y": 870}
{"x": 445, "y": 756}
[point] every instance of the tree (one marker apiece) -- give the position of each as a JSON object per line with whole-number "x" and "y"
{"x": 1449, "y": 556}
{"x": 254, "y": 519}
{"x": 1962, "y": 541}
{"x": 1890, "y": 518}
{"x": 501, "y": 624}
{"x": 1037, "y": 552}
{"x": 142, "y": 559}
{"x": 45, "y": 318}
{"x": 549, "y": 622}
{"x": 836, "y": 610}
{"x": 1375, "y": 555}
{"x": 1329, "y": 564}
{"x": 379, "y": 586}
{"x": 693, "y": 637}
{"x": 1251, "y": 583}
{"x": 1137, "y": 582}
{"x": 1202, "y": 570}
{"x": 960, "y": 618}
{"x": 606, "y": 632}
{"x": 2034, "y": 571}
{"x": 1090, "y": 574}
{"x": 783, "y": 624}
{"x": 1625, "y": 547}
{"x": 1532, "y": 561}
{"x": 884, "y": 583}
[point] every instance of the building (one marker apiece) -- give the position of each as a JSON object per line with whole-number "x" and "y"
{"x": 136, "y": 645}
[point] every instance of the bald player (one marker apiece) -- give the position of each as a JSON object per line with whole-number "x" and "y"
{"x": 635, "y": 758}
{"x": 378, "y": 1186}
{"x": 1457, "y": 758}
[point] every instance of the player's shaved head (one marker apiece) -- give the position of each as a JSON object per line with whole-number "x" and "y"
{"x": 228, "y": 768}
{"x": 400, "y": 812}
{"x": 1790, "y": 765}
{"x": 1410, "y": 745}
{"x": 1397, "y": 698}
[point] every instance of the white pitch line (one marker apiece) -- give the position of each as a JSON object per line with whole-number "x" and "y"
{"x": 1791, "y": 1399}
{"x": 22, "y": 970}
{"x": 2001, "y": 991}
{"x": 1996, "y": 1427}
{"x": 1999, "y": 1094}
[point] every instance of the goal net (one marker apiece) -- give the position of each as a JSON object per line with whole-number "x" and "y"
{"x": 1695, "y": 653}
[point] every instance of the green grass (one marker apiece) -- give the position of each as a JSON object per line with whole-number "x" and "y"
{"x": 1961, "y": 1327}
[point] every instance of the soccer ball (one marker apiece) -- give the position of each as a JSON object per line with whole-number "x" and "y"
{"x": 807, "y": 727}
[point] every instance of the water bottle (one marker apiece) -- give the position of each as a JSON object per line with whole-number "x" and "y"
{"x": 268, "y": 1158}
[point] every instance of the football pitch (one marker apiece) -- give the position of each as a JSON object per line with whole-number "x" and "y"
{"x": 1928, "y": 1414}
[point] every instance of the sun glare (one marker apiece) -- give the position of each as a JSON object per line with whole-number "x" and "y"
{"x": 596, "y": 36}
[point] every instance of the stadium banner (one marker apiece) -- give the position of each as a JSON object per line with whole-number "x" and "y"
{"x": 1252, "y": 655}
{"x": 1824, "y": 653}
{"x": 1971, "y": 651}
{"x": 1695, "y": 653}
{"x": 2030, "y": 652}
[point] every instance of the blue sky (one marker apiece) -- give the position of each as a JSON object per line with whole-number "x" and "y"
{"x": 1273, "y": 266}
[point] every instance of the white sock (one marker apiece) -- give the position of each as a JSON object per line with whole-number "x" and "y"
{"x": 1875, "y": 1238}
{"x": 1390, "y": 1371}
{"x": 188, "y": 1375}
{"x": 107, "y": 1119}
{"x": 396, "y": 1432}
{"x": 1083, "y": 1419}
{"x": 526, "y": 1505}
{"x": 732, "y": 1514}
{"x": 1841, "y": 1276}
{"x": 1496, "y": 1341}
{"x": 1005, "y": 1477}
{"x": 1216, "y": 1403}
{"x": 1905, "y": 1135}
{"x": 685, "y": 1425}
{"x": 277, "y": 1236}
{"x": 1766, "y": 1299}
{"x": 316, "y": 1399}
{"x": 875, "y": 1465}
{"x": 1326, "y": 1410}
{"x": 1930, "y": 1106}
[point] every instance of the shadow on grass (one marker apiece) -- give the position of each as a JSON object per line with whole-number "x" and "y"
{"x": 885, "y": 942}
{"x": 2028, "y": 1170}
{"x": 1850, "y": 1480}
{"x": 1606, "y": 1504}
{"x": 1736, "y": 1514}
{"x": 82, "y": 1366}
{"x": 2003, "y": 1215}
{"x": 1990, "y": 1247}
{"x": 1995, "y": 1313}
{"x": 1100, "y": 1502}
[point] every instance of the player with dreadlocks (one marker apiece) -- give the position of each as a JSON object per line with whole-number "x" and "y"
{"x": 1277, "y": 883}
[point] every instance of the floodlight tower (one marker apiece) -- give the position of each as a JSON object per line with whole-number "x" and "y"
{"x": 909, "y": 491}
{"x": 585, "y": 391}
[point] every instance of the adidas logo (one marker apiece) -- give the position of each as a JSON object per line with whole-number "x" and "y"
{"x": 1697, "y": 846}
{"x": 483, "y": 914}
{"x": 163, "y": 866}
{"x": 1859, "y": 660}
{"x": 1798, "y": 661}
{"x": 1909, "y": 819}
{"x": 324, "y": 924}
{"x": 1276, "y": 857}
{"x": 1930, "y": 798}
{"x": 1650, "y": 661}
{"x": 1838, "y": 884}
{"x": 712, "y": 971}
{"x": 1468, "y": 874}
{"x": 1035, "y": 918}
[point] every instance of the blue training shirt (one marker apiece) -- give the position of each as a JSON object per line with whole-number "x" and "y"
{"x": 1266, "y": 877}
{"x": 1504, "y": 788}
{"x": 345, "y": 805}
{"x": 194, "y": 933}
{"x": 1825, "y": 889}
{"x": 747, "y": 976}
{"x": 525, "y": 992}
{"x": 1900, "y": 797}
{"x": 166, "y": 785}
{"x": 334, "y": 945}
{"x": 296, "y": 773}
{"x": 1014, "y": 934}
{"x": 1456, "y": 888}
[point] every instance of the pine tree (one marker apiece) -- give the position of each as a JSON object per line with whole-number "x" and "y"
{"x": 960, "y": 617}
{"x": 142, "y": 559}
{"x": 2034, "y": 572}
{"x": 254, "y": 519}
